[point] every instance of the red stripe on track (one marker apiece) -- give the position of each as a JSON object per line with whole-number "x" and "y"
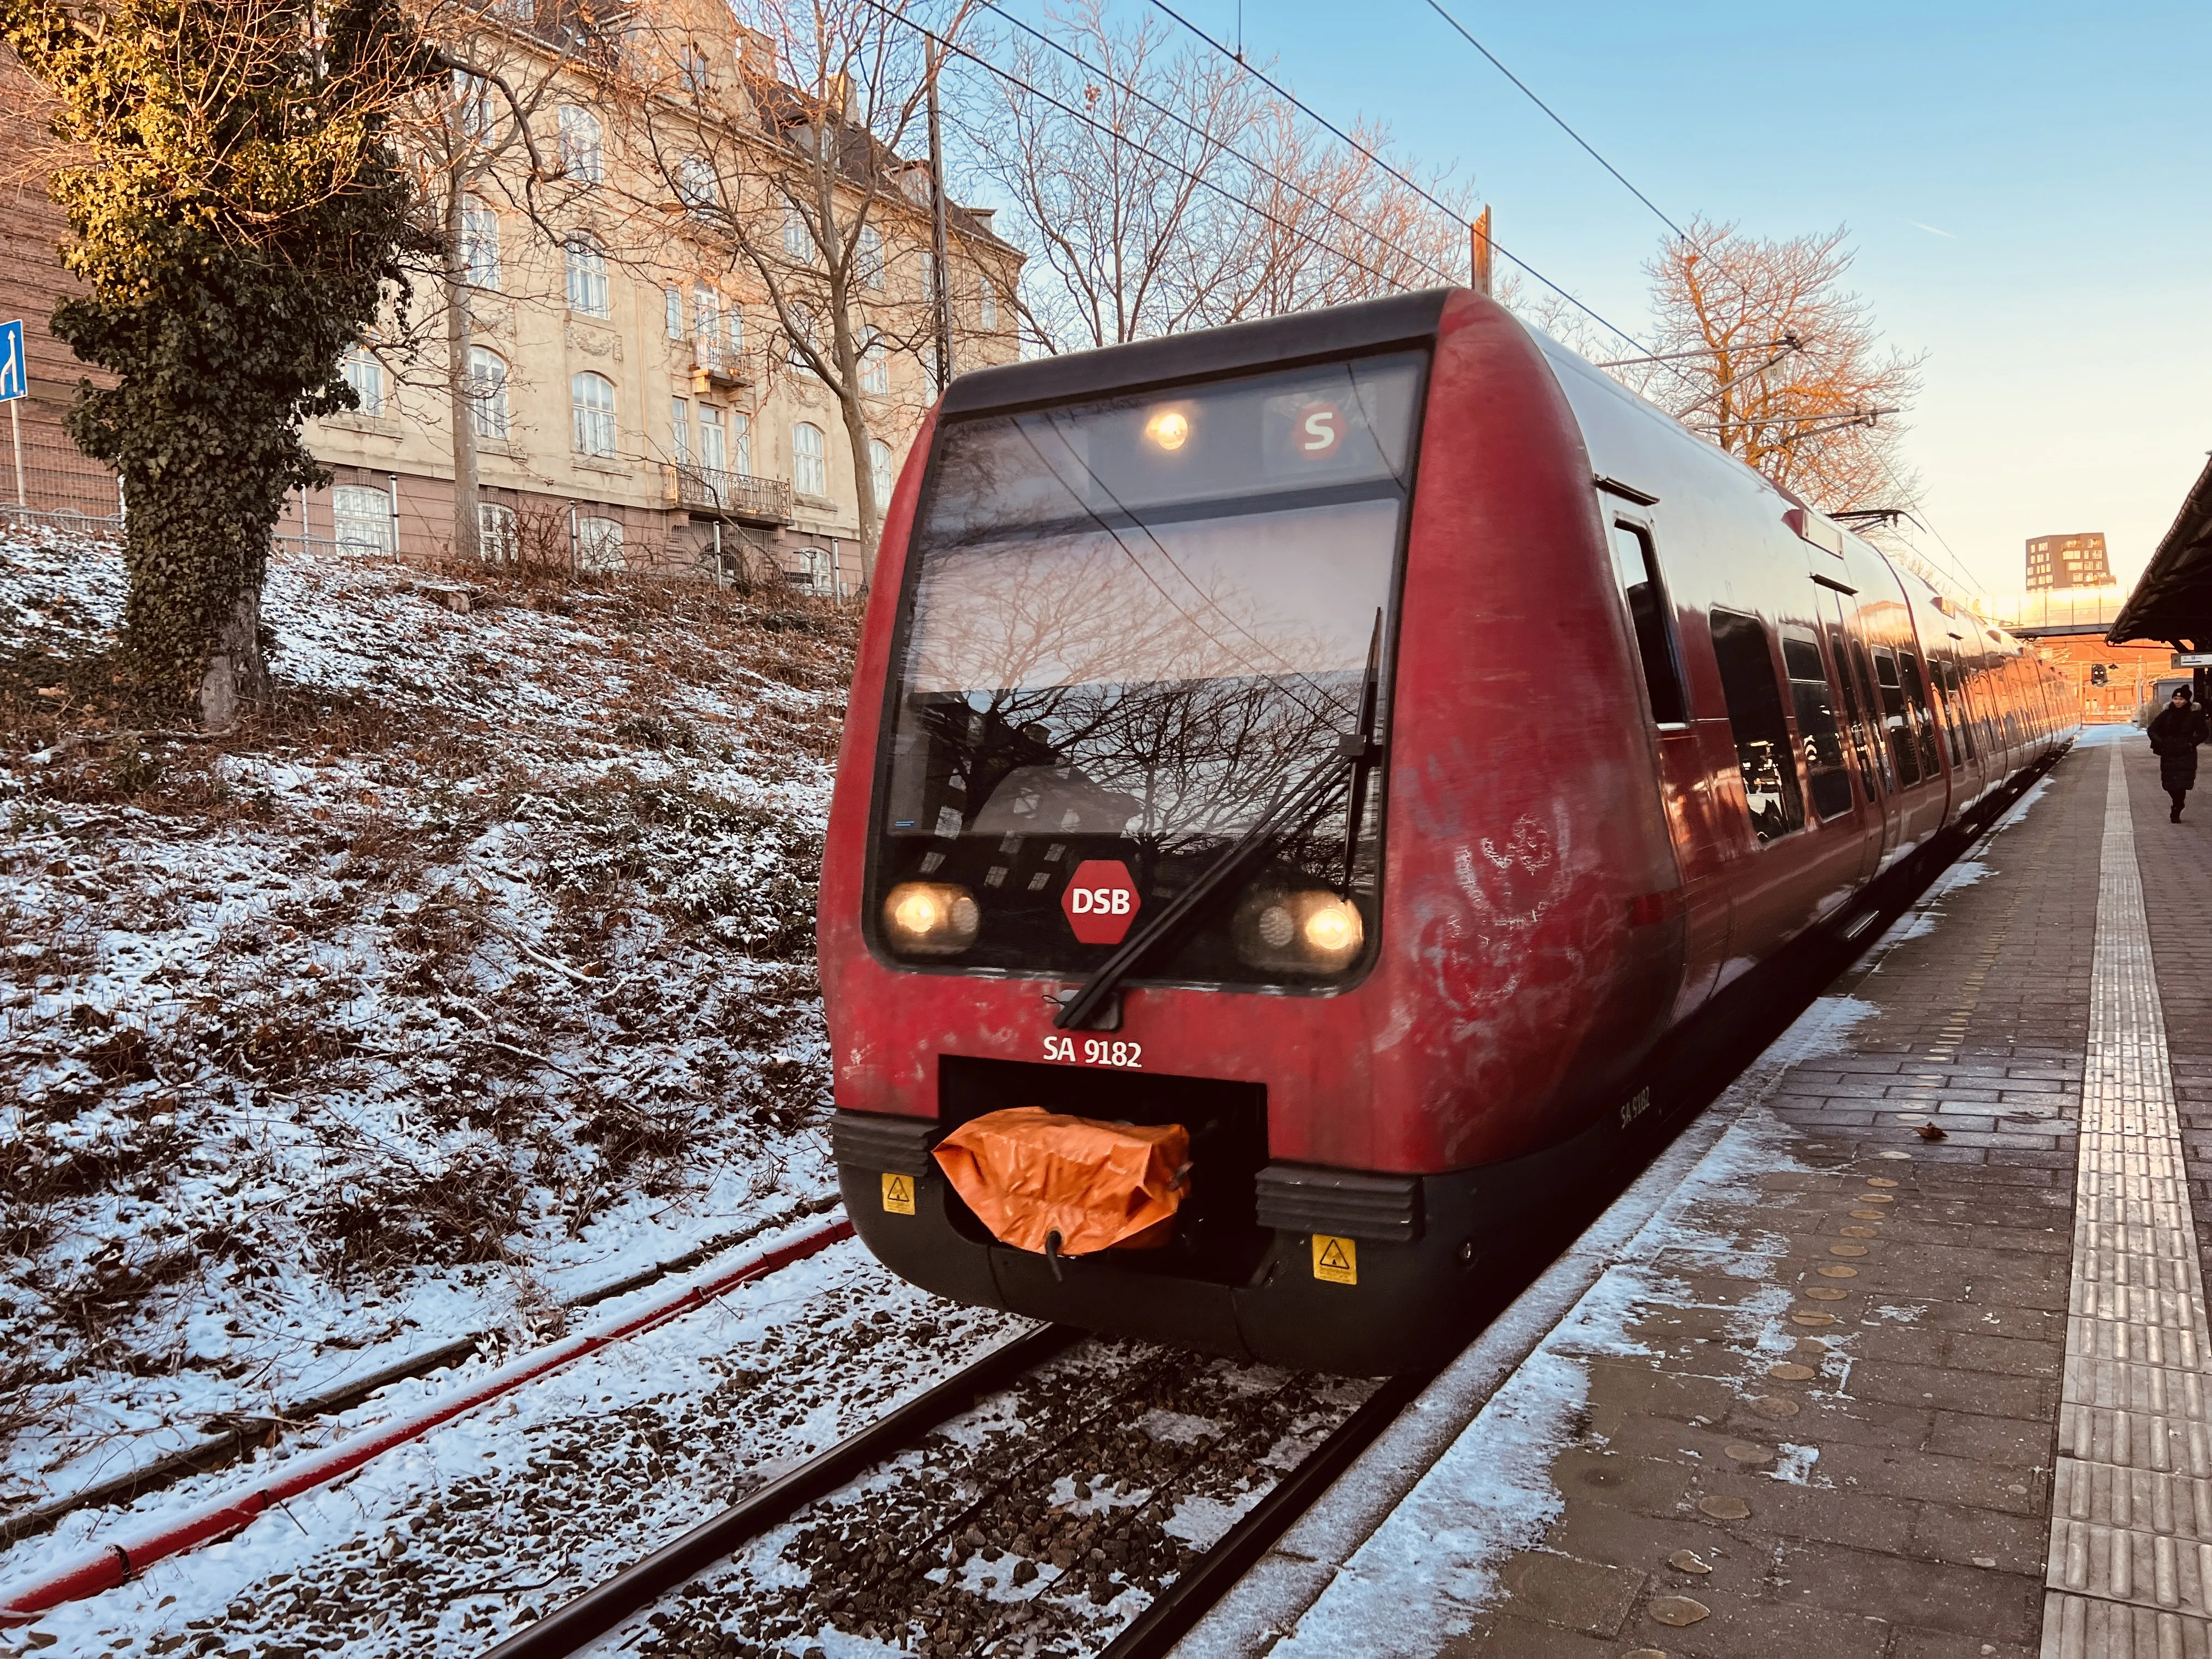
{"x": 110, "y": 1564}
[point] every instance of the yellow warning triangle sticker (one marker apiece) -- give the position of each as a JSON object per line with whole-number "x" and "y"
{"x": 1335, "y": 1260}
{"x": 898, "y": 1194}
{"x": 1332, "y": 1255}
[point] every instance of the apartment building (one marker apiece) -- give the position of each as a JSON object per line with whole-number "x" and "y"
{"x": 634, "y": 401}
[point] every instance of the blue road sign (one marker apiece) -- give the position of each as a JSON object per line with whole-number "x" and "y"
{"x": 14, "y": 379}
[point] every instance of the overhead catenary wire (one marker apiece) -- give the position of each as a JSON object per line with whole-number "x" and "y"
{"x": 1559, "y": 121}
{"x": 956, "y": 50}
{"x": 1406, "y": 180}
{"x": 1260, "y": 167}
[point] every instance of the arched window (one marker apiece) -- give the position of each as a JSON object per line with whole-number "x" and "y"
{"x": 875, "y": 364}
{"x": 480, "y": 243}
{"x": 798, "y": 239}
{"x": 592, "y": 396}
{"x": 365, "y": 376}
{"x": 587, "y": 275}
{"x": 582, "y": 156}
{"x": 809, "y": 467}
{"x": 488, "y": 392}
{"x": 868, "y": 260}
{"x": 696, "y": 184}
{"x": 879, "y": 473}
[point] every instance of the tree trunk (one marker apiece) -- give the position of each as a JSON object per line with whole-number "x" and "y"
{"x": 467, "y": 534}
{"x": 236, "y": 671}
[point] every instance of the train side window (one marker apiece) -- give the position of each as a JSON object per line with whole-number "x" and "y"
{"x": 1864, "y": 671}
{"x": 1818, "y": 734}
{"x": 1954, "y": 700}
{"x": 1916, "y": 693}
{"x": 1746, "y": 656}
{"x": 1903, "y": 754}
{"x": 1636, "y": 562}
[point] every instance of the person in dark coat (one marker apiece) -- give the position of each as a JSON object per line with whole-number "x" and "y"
{"x": 2174, "y": 734}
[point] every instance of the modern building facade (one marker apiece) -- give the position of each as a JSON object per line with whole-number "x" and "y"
{"x": 2077, "y": 561}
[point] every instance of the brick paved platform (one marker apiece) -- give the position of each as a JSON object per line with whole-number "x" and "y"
{"x": 1857, "y": 1393}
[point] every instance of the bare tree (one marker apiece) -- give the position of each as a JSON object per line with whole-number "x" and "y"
{"x": 1784, "y": 365}
{"x": 1164, "y": 189}
{"x": 805, "y": 193}
{"x": 475, "y": 138}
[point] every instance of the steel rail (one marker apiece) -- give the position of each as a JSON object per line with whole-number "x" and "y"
{"x": 576, "y": 1623}
{"x": 1192, "y": 1595}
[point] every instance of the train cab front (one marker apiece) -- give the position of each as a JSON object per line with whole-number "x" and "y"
{"x": 1109, "y": 850}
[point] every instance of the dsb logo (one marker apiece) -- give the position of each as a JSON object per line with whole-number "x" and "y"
{"x": 1101, "y": 901}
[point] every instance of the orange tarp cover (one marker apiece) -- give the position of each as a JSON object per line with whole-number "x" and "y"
{"x": 1028, "y": 1173}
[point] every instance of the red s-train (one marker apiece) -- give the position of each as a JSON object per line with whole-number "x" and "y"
{"x": 1359, "y": 738}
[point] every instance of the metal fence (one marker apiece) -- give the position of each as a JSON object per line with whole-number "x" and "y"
{"x": 43, "y": 475}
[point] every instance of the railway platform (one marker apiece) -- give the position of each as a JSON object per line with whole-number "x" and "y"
{"x": 1905, "y": 1362}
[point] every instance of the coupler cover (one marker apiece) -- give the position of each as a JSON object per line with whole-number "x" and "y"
{"x": 1030, "y": 1175}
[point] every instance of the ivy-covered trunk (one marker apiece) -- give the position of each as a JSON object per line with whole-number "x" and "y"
{"x": 237, "y": 219}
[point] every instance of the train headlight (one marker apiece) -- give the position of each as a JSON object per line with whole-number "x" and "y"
{"x": 929, "y": 918}
{"x": 1169, "y": 429}
{"x": 1308, "y": 932}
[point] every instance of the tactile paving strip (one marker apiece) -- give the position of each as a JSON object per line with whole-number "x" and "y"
{"x": 2130, "y": 1568}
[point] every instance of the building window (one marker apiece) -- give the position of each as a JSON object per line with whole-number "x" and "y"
{"x": 488, "y": 392}
{"x": 365, "y": 376}
{"x": 679, "y": 430}
{"x": 809, "y": 467}
{"x": 587, "y": 276}
{"x": 706, "y": 325}
{"x": 672, "y": 298}
{"x": 737, "y": 332}
{"x": 868, "y": 261}
{"x": 472, "y": 104}
{"x": 714, "y": 456}
{"x": 693, "y": 64}
{"x": 593, "y": 399}
{"x": 582, "y": 157}
{"x": 875, "y": 364}
{"x": 986, "y": 303}
{"x": 480, "y": 243}
{"x": 598, "y": 545}
{"x": 802, "y": 334}
{"x": 741, "y": 442}
{"x": 879, "y": 472}
{"x": 798, "y": 239}
{"x": 363, "y": 513}
{"x": 695, "y": 186}
{"x": 499, "y": 539}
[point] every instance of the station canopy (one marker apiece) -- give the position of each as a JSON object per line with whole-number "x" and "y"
{"x": 2172, "y": 598}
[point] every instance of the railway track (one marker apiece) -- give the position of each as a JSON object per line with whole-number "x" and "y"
{"x": 1151, "y": 1604}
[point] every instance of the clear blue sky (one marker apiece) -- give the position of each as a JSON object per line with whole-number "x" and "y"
{"x": 2060, "y": 157}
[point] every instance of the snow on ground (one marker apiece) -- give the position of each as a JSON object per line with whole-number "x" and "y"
{"x": 474, "y": 974}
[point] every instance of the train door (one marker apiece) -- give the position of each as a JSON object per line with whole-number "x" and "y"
{"x": 1848, "y": 655}
{"x": 1700, "y": 843}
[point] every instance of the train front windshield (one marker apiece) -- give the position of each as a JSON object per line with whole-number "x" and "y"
{"x": 1136, "y": 625}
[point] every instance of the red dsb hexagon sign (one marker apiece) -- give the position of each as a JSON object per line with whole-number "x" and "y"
{"x": 1101, "y": 901}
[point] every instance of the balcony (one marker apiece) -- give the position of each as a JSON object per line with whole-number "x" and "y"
{"x": 710, "y": 492}
{"x": 714, "y": 369}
